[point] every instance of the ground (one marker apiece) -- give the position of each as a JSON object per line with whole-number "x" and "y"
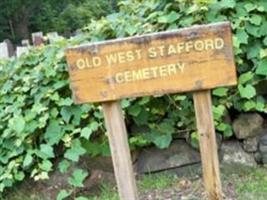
{"x": 239, "y": 183}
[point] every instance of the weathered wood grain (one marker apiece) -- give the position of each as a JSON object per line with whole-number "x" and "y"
{"x": 208, "y": 145}
{"x": 189, "y": 59}
{"x": 121, "y": 156}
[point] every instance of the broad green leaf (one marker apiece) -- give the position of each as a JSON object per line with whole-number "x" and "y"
{"x": 53, "y": 133}
{"x": 7, "y": 87}
{"x": 228, "y": 132}
{"x": 134, "y": 110}
{"x": 247, "y": 92}
{"x": 65, "y": 102}
{"x": 66, "y": 114}
{"x": 263, "y": 29}
{"x": 256, "y": 19}
{"x": 86, "y": 132}
{"x": 254, "y": 51}
{"x": 263, "y": 3}
{"x": 163, "y": 141}
{"x": 63, "y": 194}
{"x": 27, "y": 160}
{"x": 75, "y": 151}
{"x": 221, "y": 127}
{"x": 142, "y": 118}
{"x": 236, "y": 42}
{"x": 179, "y": 97}
{"x": 227, "y": 3}
{"x": 46, "y": 165}
{"x": 244, "y": 78}
{"x": 249, "y": 7}
{"x": 166, "y": 127}
{"x": 125, "y": 103}
{"x": 131, "y": 29}
{"x": 47, "y": 151}
{"x": 19, "y": 176}
{"x": 261, "y": 105}
{"x": 262, "y": 68}
{"x": 168, "y": 19}
{"x": 263, "y": 53}
{"x": 63, "y": 166}
{"x": 144, "y": 100}
{"x": 17, "y": 124}
{"x": 76, "y": 112}
{"x": 220, "y": 92}
{"x": 253, "y": 30}
{"x": 77, "y": 178}
{"x": 260, "y": 8}
{"x": 249, "y": 105}
{"x": 55, "y": 97}
{"x": 218, "y": 111}
{"x": 242, "y": 36}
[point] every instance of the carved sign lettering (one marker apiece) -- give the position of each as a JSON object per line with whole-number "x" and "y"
{"x": 189, "y": 59}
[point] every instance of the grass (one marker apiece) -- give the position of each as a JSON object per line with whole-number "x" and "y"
{"x": 107, "y": 192}
{"x": 145, "y": 184}
{"x": 156, "y": 181}
{"x": 19, "y": 195}
{"x": 248, "y": 184}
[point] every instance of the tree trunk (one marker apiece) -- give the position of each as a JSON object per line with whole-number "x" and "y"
{"x": 21, "y": 23}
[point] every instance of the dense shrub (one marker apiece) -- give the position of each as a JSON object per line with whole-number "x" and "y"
{"x": 38, "y": 120}
{"x": 20, "y": 18}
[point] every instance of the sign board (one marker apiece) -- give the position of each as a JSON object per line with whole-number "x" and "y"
{"x": 189, "y": 59}
{"x": 195, "y": 59}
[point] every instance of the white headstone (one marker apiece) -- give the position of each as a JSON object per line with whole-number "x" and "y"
{"x": 25, "y": 43}
{"x": 22, "y": 50}
{"x": 4, "y": 50}
{"x": 52, "y": 34}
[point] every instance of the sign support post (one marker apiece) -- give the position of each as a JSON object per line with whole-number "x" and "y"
{"x": 208, "y": 145}
{"x": 120, "y": 151}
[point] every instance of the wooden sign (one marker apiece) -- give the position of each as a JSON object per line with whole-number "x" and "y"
{"x": 190, "y": 59}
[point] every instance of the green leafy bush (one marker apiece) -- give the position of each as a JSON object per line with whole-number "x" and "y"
{"x": 38, "y": 120}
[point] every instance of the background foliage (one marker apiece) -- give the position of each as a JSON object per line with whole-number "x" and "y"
{"x": 39, "y": 122}
{"x": 20, "y": 18}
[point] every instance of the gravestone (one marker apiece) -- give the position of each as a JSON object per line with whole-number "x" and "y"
{"x": 25, "y": 43}
{"x": 37, "y": 38}
{"x": 21, "y": 50}
{"x": 6, "y": 49}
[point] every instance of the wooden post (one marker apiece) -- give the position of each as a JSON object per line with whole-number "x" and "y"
{"x": 208, "y": 145}
{"x": 120, "y": 151}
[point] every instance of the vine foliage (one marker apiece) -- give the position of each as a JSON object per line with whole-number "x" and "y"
{"x": 39, "y": 122}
